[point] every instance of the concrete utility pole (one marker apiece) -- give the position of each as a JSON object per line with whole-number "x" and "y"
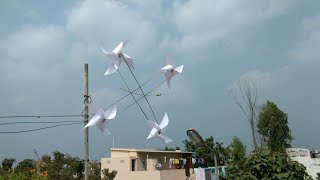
{"x": 86, "y": 117}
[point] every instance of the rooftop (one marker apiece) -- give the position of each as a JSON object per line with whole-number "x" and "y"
{"x": 149, "y": 150}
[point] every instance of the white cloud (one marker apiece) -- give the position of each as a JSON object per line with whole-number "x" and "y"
{"x": 34, "y": 54}
{"x": 105, "y": 95}
{"x": 205, "y": 23}
{"x": 25, "y": 73}
{"x": 269, "y": 81}
{"x": 307, "y": 50}
{"x": 96, "y": 21}
{"x": 37, "y": 44}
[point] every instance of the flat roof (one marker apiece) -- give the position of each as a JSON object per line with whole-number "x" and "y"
{"x": 150, "y": 150}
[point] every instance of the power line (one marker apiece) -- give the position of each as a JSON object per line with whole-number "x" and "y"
{"x": 140, "y": 88}
{"x": 37, "y": 129}
{"x": 40, "y": 116}
{"x": 37, "y": 122}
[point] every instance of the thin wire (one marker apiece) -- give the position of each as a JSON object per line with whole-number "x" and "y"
{"x": 39, "y": 116}
{"x": 132, "y": 94}
{"x": 140, "y": 88}
{"x": 37, "y": 129}
{"x": 159, "y": 94}
{"x": 37, "y": 122}
{"x": 143, "y": 96}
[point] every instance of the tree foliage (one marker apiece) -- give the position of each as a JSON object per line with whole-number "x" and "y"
{"x": 171, "y": 148}
{"x": 273, "y": 126}
{"x": 222, "y": 153}
{"x": 25, "y": 167}
{"x": 237, "y": 150}
{"x": 107, "y": 175}
{"x": 265, "y": 164}
{"x": 58, "y": 166}
{"x": 7, "y": 163}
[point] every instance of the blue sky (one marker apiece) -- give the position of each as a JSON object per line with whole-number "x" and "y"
{"x": 43, "y": 46}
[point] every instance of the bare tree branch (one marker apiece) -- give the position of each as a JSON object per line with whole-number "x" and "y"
{"x": 245, "y": 95}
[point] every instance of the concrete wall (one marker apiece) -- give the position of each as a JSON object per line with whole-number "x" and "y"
{"x": 178, "y": 174}
{"x": 139, "y": 175}
{"x": 121, "y": 164}
{"x": 154, "y": 175}
{"x": 145, "y": 163}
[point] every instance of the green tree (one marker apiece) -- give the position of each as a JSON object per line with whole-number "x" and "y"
{"x": 7, "y": 163}
{"x": 94, "y": 171}
{"x": 25, "y": 167}
{"x": 107, "y": 175}
{"x": 273, "y": 126}
{"x": 265, "y": 164}
{"x": 237, "y": 150}
{"x": 63, "y": 166}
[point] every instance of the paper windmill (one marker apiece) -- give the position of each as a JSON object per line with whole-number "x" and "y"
{"x": 169, "y": 70}
{"x": 117, "y": 57}
{"x": 158, "y": 130}
{"x": 102, "y": 118}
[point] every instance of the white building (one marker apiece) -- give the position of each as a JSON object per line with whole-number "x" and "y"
{"x": 310, "y": 159}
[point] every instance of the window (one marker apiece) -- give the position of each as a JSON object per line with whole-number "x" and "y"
{"x": 133, "y": 164}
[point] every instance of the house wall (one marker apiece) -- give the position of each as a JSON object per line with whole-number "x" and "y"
{"x": 120, "y": 164}
{"x": 178, "y": 174}
{"x": 145, "y": 163}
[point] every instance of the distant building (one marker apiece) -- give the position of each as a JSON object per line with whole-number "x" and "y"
{"x": 310, "y": 159}
{"x": 140, "y": 164}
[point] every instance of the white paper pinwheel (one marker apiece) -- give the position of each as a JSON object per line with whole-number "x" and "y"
{"x": 158, "y": 130}
{"x": 117, "y": 57}
{"x": 169, "y": 70}
{"x": 102, "y": 118}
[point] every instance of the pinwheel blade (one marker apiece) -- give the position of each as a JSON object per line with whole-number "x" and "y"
{"x": 179, "y": 69}
{"x": 170, "y": 61}
{"x": 97, "y": 110}
{"x": 152, "y": 125}
{"x": 94, "y": 120}
{"x": 152, "y": 133}
{"x": 168, "y": 78}
{"x": 128, "y": 59}
{"x": 165, "y": 121}
{"x": 111, "y": 112}
{"x": 111, "y": 69}
{"x": 164, "y": 138}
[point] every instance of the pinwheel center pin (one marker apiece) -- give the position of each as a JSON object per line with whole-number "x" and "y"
{"x": 159, "y": 132}
{"x": 119, "y": 55}
{"x": 172, "y": 70}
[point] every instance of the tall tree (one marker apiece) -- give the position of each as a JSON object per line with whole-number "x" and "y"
{"x": 237, "y": 150}
{"x": 245, "y": 94}
{"x": 273, "y": 126}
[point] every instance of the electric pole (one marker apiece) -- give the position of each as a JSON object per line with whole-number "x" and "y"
{"x": 86, "y": 117}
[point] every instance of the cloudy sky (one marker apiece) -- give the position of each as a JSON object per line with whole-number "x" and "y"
{"x": 44, "y": 44}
